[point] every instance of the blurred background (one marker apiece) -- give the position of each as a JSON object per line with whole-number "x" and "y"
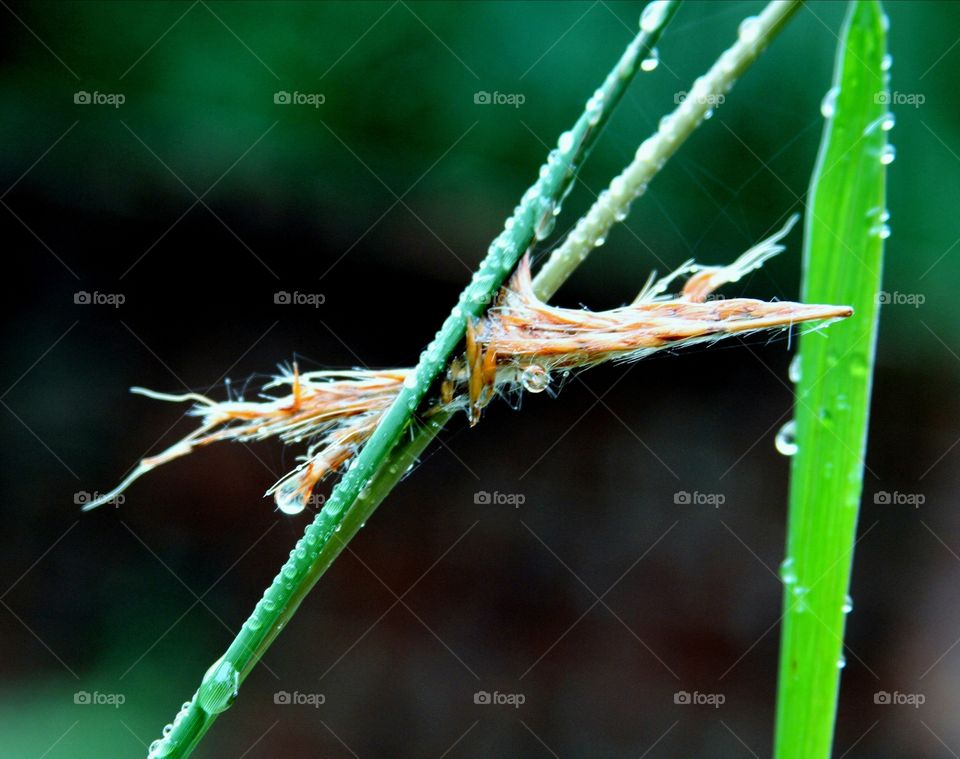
{"x": 183, "y": 187}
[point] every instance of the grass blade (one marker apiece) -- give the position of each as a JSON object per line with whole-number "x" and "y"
{"x": 845, "y": 229}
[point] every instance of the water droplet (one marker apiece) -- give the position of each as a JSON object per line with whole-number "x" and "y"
{"x": 847, "y": 605}
{"x": 651, "y": 62}
{"x": 545, "y": 226}
{"x": 841, "y": 662}
{"x": 647, "y": 150}
{"x": 219, "y": 687}
{"x": 828, "y": 105}
{"x": 799, "y": 594}
{"x": 290, "y": 499}
{"x": 794, "y": 372}
{"x": 886, "y": 63}
{"x": 888, "y": 154}
{"x": 653, "y": 16}
{"x": 889, "y": 122}
{"x": 788, "y": 572}
{"x": 786, "y": 440}
{"x": 167, "y": 729}
{"x": 535, "y": 379}
{"x": 749, "y": 29}
{"x": 565, "y": 143}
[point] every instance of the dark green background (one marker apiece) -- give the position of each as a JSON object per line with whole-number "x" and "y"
{"x": 306, "y": 199}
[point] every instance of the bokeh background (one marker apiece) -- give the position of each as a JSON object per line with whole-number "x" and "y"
{"x": 597, "y": 599}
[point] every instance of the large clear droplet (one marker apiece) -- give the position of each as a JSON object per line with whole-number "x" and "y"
{"x": 219, "y": 687}
{"x": 290, "y": 499}
{"x": 534, "y": 378}
{"x": 786, "y": 440}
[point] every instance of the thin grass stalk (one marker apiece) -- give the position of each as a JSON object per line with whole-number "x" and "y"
{"x": 352, "y": 499}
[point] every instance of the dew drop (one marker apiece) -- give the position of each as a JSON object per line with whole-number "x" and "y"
{"x": 788, "y": 572}
{"x": 841, "y": 662}
{"x": 565, "y": 143}
{"x": 290, "y": 499}
{"x": 749, "y": 29}
{"x": 828, "y": 105}
{"x": 799, "y": 594}
{"x": 887, "y": 62}
{"x": 847, "y": 605}
{"x": 786, "y": 440}
{"x": 888, "y": 154}
{"x": 653, "y": 16}
{"x": 889, "y": 122}
{"x": 651, "y": 62}
{"x": 794, "y": 372}
{"x": 535, "y": 379}
{"x": 219, "y": 687}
